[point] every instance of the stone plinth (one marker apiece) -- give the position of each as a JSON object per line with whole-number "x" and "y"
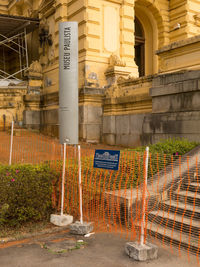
{"x": 90, "y": 114}
{"x": 32, "y": 113}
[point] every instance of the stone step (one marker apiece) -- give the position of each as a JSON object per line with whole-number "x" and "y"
{"x": 174, "y": 221}
{"x": 193, "y": 187}
{"x": 180, "y": 208}
{"x": 177, "y": 239}
{"x": 186, "y": 197}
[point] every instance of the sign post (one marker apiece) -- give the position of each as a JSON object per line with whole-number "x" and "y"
{"x": 68, "y": 100}
{"x": 107, "y": 159}
{"x": 68, "y": 83}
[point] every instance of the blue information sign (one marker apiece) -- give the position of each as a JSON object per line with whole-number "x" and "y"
{"x": 107, "y": 159}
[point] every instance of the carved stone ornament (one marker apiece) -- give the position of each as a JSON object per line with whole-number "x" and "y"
{"x": 43, "y": 25}
{"x": 35, "y": 67}
{"x": 115, "y": 60}
{"x": 122, "y": 79}
{"x": 197, "y": 19}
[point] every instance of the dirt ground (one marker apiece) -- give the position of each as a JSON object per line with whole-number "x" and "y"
{"x": 99, "y": 250}
{"x": 30, "y": 147}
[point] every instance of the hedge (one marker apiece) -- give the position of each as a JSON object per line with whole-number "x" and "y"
{"x": 26, "y": 193}
{"x": 171, "y": 146}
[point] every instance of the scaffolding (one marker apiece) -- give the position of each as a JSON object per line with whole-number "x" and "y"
{"x": 13, "y": 41}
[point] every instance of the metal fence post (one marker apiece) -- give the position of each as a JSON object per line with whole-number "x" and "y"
{"x": 80, "y": 184}
{"x": 63, "y": 179}
{"x": 144, "y": 196}
{"x": 11, "y": 143}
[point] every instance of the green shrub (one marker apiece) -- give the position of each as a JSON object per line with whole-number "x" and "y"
{"x": 163, "y": 153}
{"x": 173, "y": 146}
{"x": 26, "y": 193}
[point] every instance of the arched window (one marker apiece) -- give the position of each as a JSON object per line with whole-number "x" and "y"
{"x": 139, "y": 47}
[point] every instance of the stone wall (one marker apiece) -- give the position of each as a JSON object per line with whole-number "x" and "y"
{"x": 175, "y": 99}
{"x": 125, "y": 130}
{"x": 11, "y": 105}
{"x": 49, "y": 114}
{"x": 175, "y": 107}
{"x": 123, "y": 114}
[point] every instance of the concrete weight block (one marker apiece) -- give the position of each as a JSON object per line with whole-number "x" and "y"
{"x": 61, "y": 220}
{"x": 139, "y": 252}
{"x": 78, "y": 228}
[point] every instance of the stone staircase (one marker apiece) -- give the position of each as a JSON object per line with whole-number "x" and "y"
{"x": 177, "y": 219}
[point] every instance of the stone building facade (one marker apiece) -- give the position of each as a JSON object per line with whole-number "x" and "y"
{"x": 139, "y": 68}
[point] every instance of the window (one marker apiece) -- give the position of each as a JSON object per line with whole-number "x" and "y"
{"x": 139, "y": 47}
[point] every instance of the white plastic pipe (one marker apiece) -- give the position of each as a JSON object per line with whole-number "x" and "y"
{"x": 80, "y": 184}
{"x": 63, "y": 179}
{"x": 11, "y": 143}
{"x": 144, "y": 196}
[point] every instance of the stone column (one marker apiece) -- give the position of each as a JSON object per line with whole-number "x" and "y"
{"x": 35, "y": 78}
{"x": 32, "y": 101}
{"x": 127, "y": 38}
{"x": 90, "y": 114}
{"x": 60, "y": 16}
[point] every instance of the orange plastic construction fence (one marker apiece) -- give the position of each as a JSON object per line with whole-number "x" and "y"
{"x": 113, "y": 200}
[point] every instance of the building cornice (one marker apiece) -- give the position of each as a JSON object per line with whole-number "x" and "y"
{"x": 47, "y": 7}
{"x": 178, "y": 44}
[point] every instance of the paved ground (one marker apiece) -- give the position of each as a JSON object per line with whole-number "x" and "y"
{"x": 102, "y": 249}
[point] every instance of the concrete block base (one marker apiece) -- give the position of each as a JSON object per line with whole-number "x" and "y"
{"x": 61, "y": 220}
{"x": 81, "y": 229}
{"x": 141, "y": 253}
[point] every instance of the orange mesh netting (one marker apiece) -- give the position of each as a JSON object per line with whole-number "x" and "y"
{"x": 114, "y": 200}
